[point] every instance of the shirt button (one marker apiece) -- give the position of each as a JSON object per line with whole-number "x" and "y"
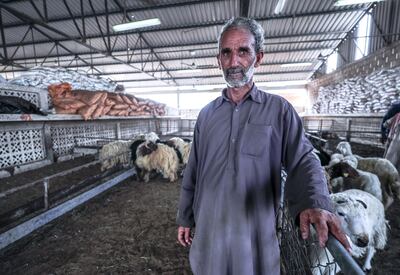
{"x": 236, "y": 110}
{"x": 233, "y": 140}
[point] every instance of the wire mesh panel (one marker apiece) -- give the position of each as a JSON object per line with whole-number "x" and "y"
{"x": 169, "y": 126}
{"x": 362, "y": 129}
{"x": 21, "y": 146}
{"x": 66, "y": 136}
{"x": 300, "y": 256}
{"x": 130, "y": 129}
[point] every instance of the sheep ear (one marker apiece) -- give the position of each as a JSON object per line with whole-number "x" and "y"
{"x": 362, "y": 203}
{"x": 353, "y": 172}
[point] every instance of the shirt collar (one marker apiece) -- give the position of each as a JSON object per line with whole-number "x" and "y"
{"x": 253, "y": 94}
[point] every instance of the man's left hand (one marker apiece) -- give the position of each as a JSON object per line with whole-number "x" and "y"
{"x": 324, "y": 221}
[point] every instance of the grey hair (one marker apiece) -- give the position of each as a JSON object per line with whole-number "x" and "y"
{"x": 247, "y": 23}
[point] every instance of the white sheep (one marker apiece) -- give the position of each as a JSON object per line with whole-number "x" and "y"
{"x": 335, "y": 158}
{"x": 387, "y": 174}
{"x": 383, "y": 168}
{"x": 344, "y": 177}
{"x": 363, "y": 221}
{"x": 114, "y": 153}
{"x": 344, "y": 148}
{"x": 159, "y": 157}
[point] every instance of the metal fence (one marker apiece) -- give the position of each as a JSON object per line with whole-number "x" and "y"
{"x": 24, "y": 142}
{"x": 300, "y": 256}
{"x": 356, "y": 128}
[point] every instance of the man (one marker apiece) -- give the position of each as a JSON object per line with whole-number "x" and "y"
{"x": 231, "y": 186}
{"x": 391, "y": 112}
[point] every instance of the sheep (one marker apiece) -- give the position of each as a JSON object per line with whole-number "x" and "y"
{"x": 157, "y": 156}
{"x": 363, "y": 220}
{"x": 114, "y": 153}
{"x": 182, "y": 146}
{"x": 133, "y": 148}
{"x": 322, "y": 156}
{"x": 354, "y": 178}
{"x": 151, "y": 136}
{"x": 383, "y": 168}
{"x": 335, "y": 158}
{"x": 387, "y": 174}
{"x": 344, "y": 148}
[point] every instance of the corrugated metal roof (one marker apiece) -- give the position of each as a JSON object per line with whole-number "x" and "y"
{"x": 304, "y": 31}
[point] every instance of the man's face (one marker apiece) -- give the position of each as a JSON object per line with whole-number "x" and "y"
{"x": 237, "y": 57}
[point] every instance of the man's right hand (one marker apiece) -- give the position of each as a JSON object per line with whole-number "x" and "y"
{"x": 184, "y": 236}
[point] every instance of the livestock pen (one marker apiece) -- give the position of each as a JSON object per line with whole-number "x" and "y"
{"x": 129, "y": 229}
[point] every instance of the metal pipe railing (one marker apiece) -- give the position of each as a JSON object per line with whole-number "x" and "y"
{"x": 346, "y": 262}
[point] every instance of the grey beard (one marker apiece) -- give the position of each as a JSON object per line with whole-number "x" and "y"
{"x": 238, "y": 83}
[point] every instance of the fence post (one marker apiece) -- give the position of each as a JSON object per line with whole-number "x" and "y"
{"x": 48, "y": 142}
{"x": 320, "y": 128}
{"x": 348, "y": 130}
{"x": 118, "y": 130}
{"x": 46, "y": 193}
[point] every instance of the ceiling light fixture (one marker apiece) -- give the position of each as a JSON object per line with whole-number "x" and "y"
{"x": 189, "y": 71}
{"x": 282, "y": 83}
{"x": 136, "y": 25}
{"x": 279, "y": 6}
{"x": 300, "y": 64}
{"x": 354, "y": 2}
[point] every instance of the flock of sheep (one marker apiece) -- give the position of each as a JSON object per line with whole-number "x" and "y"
{"x": 148, "y": 154}
{"x": 361, "y": 190}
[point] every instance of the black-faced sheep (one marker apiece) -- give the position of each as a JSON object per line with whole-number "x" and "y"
{"x": 151, "y": 136}
{"x": 134, "y": 147}
{"x": 182, "y": 146}
{"x": 159, "y": 157}
{"x": 354, "y": 179}
{"x": 335, "y": 158}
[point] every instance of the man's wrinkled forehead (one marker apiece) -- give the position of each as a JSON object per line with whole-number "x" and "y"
{"x": 249, "y": 40}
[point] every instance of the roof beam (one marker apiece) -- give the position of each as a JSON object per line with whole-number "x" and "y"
{"x": 213, "y": 42}
{"x": 3, "y": 38}
{"x": 210, "y": 67}
{"x": 123, "y": 54}
{"x": 34, "y": 22}
{"x": 37, "y": 10}
{"x": 209, "y": 76}
{"x": 144, "y": 40}
{"x": 203, "y": 24}
{"x": 73, "y": 17}
{"x": 244, "y": 8}
{"x": 99, "y": 27}
{"x": 94, "y": 14}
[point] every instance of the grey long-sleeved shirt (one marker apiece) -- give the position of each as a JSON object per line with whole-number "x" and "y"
{"x": 231, "y": 186}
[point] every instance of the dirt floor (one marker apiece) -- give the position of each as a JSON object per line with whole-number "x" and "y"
{"x": 131, "y": 229}
{"x": 128, "y": 230}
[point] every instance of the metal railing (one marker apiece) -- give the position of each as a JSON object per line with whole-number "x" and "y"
{"x": 357, "y": 128}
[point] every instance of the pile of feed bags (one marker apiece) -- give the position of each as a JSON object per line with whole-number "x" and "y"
{"x": 94, "y": 104}
{"x": 373, "y": 93}
{"x": 42, "y": 77}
